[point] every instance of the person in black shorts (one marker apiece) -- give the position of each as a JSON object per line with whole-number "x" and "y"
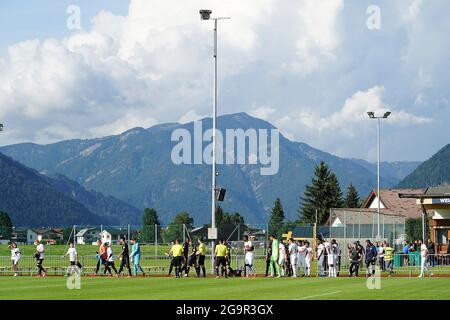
{"x": 355, "y": 259}
{"x": 186, "y": 245}
{"x": 268, "y": 255}
{"x": 220, "y": 254}
{"x": 192, "y": 260}
{"x": 172, "y": 263}
{"x": 124, "y": 257}
{"x": 201, "y": 253}
{"x": 177, "y": 254}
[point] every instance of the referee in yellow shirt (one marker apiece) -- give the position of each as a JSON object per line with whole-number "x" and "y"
{"x": 201, "y": 252}
{"x": 177, "y": 253}
{"x": 220, "y": 258}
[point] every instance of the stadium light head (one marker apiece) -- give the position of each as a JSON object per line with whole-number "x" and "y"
{"x": 205, "y": 14}
{"x": 387, "y": 114}
{"x": 1, "y": 127}
{"x": 371, "y": 114}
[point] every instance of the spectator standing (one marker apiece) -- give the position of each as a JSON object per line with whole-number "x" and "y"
{"x": 431, "y": 253}
{"x": 423, "y": 260}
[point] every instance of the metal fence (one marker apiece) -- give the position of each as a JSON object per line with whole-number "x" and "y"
{"x": 409, "y": 264}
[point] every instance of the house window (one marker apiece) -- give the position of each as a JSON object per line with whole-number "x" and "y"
{"x": 442, "y": 236}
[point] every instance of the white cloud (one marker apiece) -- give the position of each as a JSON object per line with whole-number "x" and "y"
{"x": 319, "y": 39}
{"x": 190, "y": 116}
{"x": 308, "y": 66}
{"x": 351, "y": 118}
{"x": 262, "y": 112}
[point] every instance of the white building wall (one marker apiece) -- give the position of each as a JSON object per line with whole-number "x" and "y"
{"x": 374, "y": 204}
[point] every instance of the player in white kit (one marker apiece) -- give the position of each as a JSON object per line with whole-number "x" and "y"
{"x": 320, "y": 258}
{"x": 73, "y": 256}
{"x": 282, "y": 258}
{"x": 308, "y": 258}
{"x": 15, "y": 257}
{"x": 248, "y": 251}
{"x": 331, "y": 259}
{"x": 301, "y": 263}
{"x": 293, "y": 256}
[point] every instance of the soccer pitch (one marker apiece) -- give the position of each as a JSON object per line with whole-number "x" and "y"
{"x": 161, "y": 288}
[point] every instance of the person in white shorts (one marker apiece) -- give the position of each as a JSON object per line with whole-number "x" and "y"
{"x": 301, "y": 263}
{"x": 15, "y": 257}
{"x": 72, "y": 253}
{"x": 320, "y": 257}
{"x": 308, "y": 258}
{"x": 293, "y": 256}
{"x": 282, "y": 258}
{"x": 423, "y": 258}
{"x": 248, "y": 260}
{"x": 331, "y": 259}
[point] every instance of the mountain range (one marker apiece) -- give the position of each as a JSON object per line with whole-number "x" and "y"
{"x": 36, "y": 200}
{"x": 431, "y": 173}
{"x": 136, "y": 167}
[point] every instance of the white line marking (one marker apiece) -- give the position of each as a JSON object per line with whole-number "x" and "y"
{"x": 319, "y": 295}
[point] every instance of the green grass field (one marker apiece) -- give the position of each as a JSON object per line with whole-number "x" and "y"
{"x": 401, "y": 288}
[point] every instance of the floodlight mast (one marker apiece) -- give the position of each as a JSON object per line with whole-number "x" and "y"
{"x": 205, "y": 14}
{"x": 371, "y": 115}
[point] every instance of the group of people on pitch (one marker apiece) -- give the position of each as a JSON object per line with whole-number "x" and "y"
{"x": 182, "y": 258}
{"x": 187, "y": 255}
{"x": 105, "y": 258}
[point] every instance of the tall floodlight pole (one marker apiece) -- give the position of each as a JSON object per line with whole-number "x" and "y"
{"x": 372, "y": 116}
{"x": 206, "y": 15}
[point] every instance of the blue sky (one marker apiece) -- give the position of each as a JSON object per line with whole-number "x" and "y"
{"x": 22, "y": 20}
{"x": 311, "y": 67}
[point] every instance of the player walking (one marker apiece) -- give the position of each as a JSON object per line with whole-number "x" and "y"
{"x": 370, "y": 258}
{"x": 136, "y": 257}
{"x": 72, "y": 253}
{"x": 124, "y": 257}
{"x": 248, "y": 257}
{"x": 39, "y": 255}
{"x": 293, "y": 256}
{"x": 15, "y": 257}
{"x": 274, "y": 266}
{"x": 110, "y": 260}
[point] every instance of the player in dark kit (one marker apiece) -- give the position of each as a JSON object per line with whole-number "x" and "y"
{"x": 124, "y": 257}
{"x": 186, "y": 245}
{"x": 192, "y": 260}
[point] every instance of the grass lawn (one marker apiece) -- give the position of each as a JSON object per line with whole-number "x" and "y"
{"x": 235, "y": 289}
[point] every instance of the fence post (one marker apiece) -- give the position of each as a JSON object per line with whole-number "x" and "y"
{"x": 239, "y": 237}
{"x": 128, "y": 235}
{"x": 345, "y": 226}
{"x": 156, "y": 240}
